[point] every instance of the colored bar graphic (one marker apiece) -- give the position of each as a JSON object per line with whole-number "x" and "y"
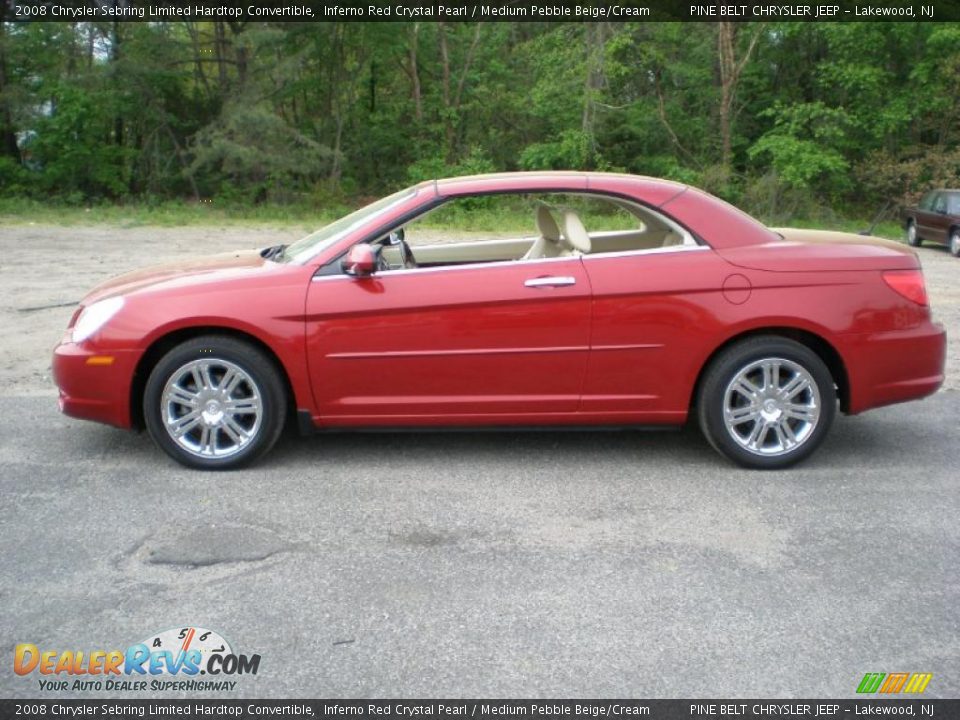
{"x": 894, "y": 683}
{"x": 870, "y": 683}
{"x": 918, "y": 682}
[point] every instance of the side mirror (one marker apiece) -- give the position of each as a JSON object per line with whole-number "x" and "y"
{"x": 360, "y": 261}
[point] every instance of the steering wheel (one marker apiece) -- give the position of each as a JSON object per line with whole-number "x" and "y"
{"x": 382, "y": 263}
{"x": 396, "y": 238}
{"x": 406, "y": 255}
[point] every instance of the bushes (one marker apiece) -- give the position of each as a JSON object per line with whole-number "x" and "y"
{"x": 904, "y": 178}
{"x": 253, "y": 155}
{"x": 68, "y": 157}
{"x": 572, "y": 150}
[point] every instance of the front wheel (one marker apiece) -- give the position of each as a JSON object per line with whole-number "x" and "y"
{"x": 913, "y": 238}
{"x": 767, "y": 402}
{"x": 214, "y": 403}
{"x": 955, "y": 242}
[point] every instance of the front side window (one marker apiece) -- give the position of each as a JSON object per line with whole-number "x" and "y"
{"x": 940, "y": 204}
{"x": 926, "y": 203}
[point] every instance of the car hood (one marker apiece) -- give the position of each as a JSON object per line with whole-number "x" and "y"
{"x": 801, "y": 250}
{"x": 205, "y": 269}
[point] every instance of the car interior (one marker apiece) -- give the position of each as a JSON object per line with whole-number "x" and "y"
{"x": 560, "y": 231}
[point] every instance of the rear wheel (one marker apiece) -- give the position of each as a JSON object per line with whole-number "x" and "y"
{"x": 955, "y": 242}
{"x": 913, "y": 238}
{"x": 767, "y": 402}
{"x": 214, "y": 403}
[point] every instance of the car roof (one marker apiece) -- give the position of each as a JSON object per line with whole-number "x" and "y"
{"x": 655, "y": 190}
{"x": 533, "y": 176}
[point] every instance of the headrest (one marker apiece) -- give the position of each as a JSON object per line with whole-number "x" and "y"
{"x": 575, "y": 232}
{"x": 547, "y": 225}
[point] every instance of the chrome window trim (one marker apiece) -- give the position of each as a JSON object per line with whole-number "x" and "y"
{"x": 647, "y": 251}
{"x": 526, "y": 263}
{"x": 450, "y": 268}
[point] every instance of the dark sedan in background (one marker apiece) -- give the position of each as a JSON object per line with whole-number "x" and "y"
{"x": 936, "y": 219}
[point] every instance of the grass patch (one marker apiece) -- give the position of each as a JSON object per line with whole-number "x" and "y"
{"x": 166, "y": 214}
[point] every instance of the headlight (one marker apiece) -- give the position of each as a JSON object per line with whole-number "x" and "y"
{"x": 95, "y": 317}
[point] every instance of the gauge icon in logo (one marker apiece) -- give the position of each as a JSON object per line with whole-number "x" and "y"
{"x": 180, "y": 641}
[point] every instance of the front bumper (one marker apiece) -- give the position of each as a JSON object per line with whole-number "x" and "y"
{"x": 893, "y": 367}
{"x": 94, "y": 384}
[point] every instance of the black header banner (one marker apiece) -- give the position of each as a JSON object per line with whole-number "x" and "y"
{"x": 479, "y": 11}
{"x": 481, "y": 709}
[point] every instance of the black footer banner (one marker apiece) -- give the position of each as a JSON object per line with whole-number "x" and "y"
{"x": 825, "y": 709}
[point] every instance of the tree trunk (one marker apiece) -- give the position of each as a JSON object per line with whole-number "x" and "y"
{"x": 240, "y": 55}
{"x": 8, "y": 134}
{"x": 594, "y": 47}
{"x": 730, "y": 71}
{"x": 220, "y": 48}
{"x": 198, "y": 61}
{"x": 415, "y": 73}
{"x": 726, "y": 37}
{"x": 451, "y": 101}
{"x": 115, "y": 61}
{"x": 448, "y": 130}
{"x": 373, "y": 85}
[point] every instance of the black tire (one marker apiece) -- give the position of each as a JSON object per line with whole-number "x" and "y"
{"x": 913, "y": 235}
{"x": 713, "y": 399}
{"x": 954, "y": 243}
{"x": 261, "y": 385}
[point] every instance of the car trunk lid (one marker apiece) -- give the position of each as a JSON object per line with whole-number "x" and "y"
{"x": 801, "y": 250}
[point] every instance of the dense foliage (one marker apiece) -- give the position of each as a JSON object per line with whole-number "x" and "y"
{"x": 786, "y": 119}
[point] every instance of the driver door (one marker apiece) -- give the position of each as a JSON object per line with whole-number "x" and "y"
{"x": 475, "y": 344}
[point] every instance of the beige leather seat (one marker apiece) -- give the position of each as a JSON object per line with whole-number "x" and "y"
{"x": 549, "y": 244}
{"x": 672, "y": 238}
{"x": 575, "y": 236}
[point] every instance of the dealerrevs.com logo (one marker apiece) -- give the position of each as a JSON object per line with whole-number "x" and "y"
{"x": 172, "y": 660}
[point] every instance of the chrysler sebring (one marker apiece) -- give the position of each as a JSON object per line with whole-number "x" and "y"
{"x": 630, "y": 302}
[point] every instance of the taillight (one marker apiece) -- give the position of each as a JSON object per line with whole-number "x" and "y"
{"x": 908, "y": 283}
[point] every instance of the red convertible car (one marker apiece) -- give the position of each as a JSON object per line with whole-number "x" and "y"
{"x": 632, "y": 302}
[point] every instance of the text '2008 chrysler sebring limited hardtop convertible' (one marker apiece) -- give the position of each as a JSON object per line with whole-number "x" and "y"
{"x": 632, "y": 302}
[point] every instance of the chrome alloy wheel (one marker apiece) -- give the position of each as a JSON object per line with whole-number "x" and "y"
{"x": 211, "y": 408}
{"x": 771, "y": 406}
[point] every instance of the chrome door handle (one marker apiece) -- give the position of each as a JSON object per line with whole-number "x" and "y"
{"x": 551, "y": 281}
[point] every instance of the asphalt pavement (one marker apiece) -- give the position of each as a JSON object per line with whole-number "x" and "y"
{"x": 507, "y": 564}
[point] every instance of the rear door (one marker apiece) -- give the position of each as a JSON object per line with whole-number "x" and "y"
{"x": 924, "y": 215}
{"x": 953, "y": 211}
{"x": 939, "y": 222}
{"x": 654, "y": 312}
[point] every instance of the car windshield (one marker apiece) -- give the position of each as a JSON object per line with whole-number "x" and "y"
{"x": 315, "y": 242}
